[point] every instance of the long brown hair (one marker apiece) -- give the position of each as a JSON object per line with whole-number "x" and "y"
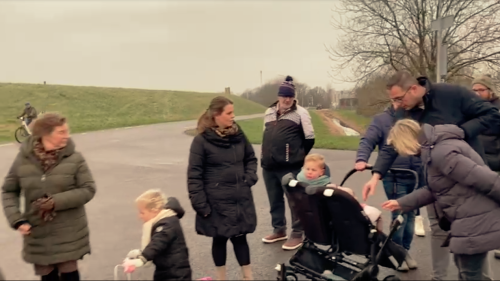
{"x": 215, "y": 108}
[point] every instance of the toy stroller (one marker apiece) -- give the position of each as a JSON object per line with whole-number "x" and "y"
{"x": 333, "y": 218}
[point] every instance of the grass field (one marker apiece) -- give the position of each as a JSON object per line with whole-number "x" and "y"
{"x": 253, "y": 128}
{"x": 95, "y": 108}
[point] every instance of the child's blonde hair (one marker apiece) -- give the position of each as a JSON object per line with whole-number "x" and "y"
{"x": 404, "y": 137}
{"x": 154, "y": 199}
{"x": 318, "y": 158}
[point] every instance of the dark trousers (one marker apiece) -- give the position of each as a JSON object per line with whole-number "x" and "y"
{"x": 275, "y": 192}
{"x": 241, "y": 250}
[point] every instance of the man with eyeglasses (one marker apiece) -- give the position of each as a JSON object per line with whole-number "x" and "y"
{"x": 484, "y": 87}
{"x": 436, "y": 104}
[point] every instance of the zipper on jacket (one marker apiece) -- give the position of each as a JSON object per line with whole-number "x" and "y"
{"x": 287, "y": 152}
{"x": 237, "y": 188}
{"x": 278, "y": 118}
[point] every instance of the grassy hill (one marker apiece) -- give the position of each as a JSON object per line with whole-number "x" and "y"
{"x": 95, "y": 108}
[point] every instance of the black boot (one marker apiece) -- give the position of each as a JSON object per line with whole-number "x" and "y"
{"x": 70, "y": 276}
{"x": 52, "y": 276}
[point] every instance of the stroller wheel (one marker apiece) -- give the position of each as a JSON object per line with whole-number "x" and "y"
{"x": 392, "y": 278}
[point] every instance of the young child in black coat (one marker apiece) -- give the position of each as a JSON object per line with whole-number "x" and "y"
{"x": 163, "y": 240}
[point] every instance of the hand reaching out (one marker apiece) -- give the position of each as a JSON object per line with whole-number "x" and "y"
{"x": 391, "y": 205}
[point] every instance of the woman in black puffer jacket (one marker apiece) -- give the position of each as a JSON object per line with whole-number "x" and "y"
{"x": 222, "y": 169}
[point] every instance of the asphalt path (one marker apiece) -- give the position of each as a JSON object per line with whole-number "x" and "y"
{"x": 127, "y": 161}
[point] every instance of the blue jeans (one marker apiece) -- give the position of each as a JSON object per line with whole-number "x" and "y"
{"x": 395, "y": 188}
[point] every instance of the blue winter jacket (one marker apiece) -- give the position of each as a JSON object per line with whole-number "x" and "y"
{"x": 376, "y": 135}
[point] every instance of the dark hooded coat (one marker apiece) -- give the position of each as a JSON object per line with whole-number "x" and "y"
{"x": 221, "y": 173}
{"x": 463, "y": 189}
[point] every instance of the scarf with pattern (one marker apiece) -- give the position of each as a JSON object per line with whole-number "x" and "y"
{"x": 230, "y": 131}
{"x": 48, "y": 159}
{"x": 44, "y": 206}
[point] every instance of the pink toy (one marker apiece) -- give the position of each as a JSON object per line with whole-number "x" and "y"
{"x": 206, "y": 278}
{"x": 129, "y": 269}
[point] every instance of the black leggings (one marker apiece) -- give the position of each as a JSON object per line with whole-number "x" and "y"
{"x": 54, "y": 276}
{"x": 241, "y": 250}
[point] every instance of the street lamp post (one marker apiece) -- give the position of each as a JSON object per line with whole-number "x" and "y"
{"x": 439, "y": 25}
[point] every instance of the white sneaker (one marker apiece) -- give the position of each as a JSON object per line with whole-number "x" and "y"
{"x": 419, "y": 226}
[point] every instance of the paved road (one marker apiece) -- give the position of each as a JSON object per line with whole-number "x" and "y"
{"x": 126, "y": 162}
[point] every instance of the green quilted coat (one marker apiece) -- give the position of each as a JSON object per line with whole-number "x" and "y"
{"x": 71, "y": 185}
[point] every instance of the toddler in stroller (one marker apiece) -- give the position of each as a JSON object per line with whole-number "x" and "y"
{"x": 332, "y": 217}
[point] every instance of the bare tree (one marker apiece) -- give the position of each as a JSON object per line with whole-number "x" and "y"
{"x": 372, "y": 95}
{"x": 384, "y": 35}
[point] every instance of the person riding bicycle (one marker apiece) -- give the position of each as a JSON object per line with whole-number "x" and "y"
{"x": 29, "y": 112}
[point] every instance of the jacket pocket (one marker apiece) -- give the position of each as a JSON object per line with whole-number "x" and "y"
{"x": 227, "y": 214}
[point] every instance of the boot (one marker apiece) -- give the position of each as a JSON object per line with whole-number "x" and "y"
{"x": 70, "y": 276}
{"x": 419, "y": 226}
{"x": 247, "y": 272}
{"x": 412, "y": 264}
{"x": 52, "y": 276}
{"x": 497, "y": 254}
{"x": 220, "y": 272}
{"x": 404, "y": 267}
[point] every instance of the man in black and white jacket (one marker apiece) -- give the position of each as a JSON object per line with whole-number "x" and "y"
{"x": 288, "y": 138}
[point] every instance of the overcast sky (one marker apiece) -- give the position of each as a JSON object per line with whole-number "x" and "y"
{"x": 176, "y": 45}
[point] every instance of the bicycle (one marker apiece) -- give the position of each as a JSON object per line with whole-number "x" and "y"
{"x": 23, "y": 132}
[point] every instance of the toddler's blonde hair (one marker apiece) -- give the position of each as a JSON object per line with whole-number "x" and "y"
{"x": 404, "y": 137}
{"x": 154, "y": 199}
{"x": 318, "y": 158}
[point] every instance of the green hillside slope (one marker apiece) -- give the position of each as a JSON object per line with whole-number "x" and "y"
{"x": 95, "y": 108}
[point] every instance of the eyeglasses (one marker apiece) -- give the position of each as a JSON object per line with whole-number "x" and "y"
{"x": 400, "y": 99}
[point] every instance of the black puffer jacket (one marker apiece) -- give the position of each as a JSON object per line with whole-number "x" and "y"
{"x": 491, "y": 143}
{"x": 167, "y": 248}
{"x": 221, "y": 173}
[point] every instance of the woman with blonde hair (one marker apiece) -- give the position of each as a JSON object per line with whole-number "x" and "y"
{"x": 464, "y": 191}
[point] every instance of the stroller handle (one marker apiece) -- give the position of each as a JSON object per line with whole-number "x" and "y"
{"x": 353, "y": 171}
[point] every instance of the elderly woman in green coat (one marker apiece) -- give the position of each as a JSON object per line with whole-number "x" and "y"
{"x": 56, "y": 183}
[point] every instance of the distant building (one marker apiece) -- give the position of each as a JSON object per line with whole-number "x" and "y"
{"x": 344, "y": 100}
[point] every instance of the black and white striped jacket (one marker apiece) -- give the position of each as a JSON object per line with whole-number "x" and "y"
{"x": 287, "y": 139}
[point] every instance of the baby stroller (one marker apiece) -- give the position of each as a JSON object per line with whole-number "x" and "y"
{"x": 334, "y": 219}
